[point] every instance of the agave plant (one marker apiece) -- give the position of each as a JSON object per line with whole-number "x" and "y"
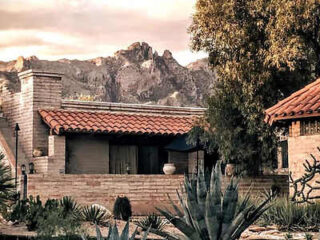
{"x": 70, "y": 206}
{"x": 153, "y": 221}
{"x": 209, "y": 214}
{"x": 94, "y": 214}
{"x": 113, "y": 234}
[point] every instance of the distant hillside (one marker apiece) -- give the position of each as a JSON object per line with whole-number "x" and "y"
{"x": 135, "y": 75}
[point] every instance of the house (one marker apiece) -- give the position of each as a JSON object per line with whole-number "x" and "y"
{"x": 298, "y": 117}
{"x": 96, "y": 151}
{"x": 76, "y": 139}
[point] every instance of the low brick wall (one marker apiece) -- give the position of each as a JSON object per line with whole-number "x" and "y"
{"x": 144, "y": 191}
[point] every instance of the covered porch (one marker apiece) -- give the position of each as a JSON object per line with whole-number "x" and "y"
{"x": 112, "y": 143}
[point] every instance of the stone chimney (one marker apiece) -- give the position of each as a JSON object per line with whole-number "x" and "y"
{"x": 39, "y": 90}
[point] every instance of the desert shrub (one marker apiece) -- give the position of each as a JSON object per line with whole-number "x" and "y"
{"x": 153, "y": 221}
{"x": 94, "y": 215}
{"x": 52, "y": 223}
{"x": 18, "y": 211}
{"x": 290, "y": 216}
{"x": 55, "y": 216}
{"x": 6, "y": 182}
{"x": 122, "y": 208}
{"x": 34, "y": 211}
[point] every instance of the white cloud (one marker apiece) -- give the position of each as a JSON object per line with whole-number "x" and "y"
{"x": 84, "y": 29}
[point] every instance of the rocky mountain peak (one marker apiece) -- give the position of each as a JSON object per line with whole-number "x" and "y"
{"x": 133, "y": 75}
{"x": 136, "y": 52}
{"x": 167, "y": 54}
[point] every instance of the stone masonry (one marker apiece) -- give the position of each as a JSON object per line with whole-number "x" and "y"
{"x": 144, "y": 191}
{"x": 299, "y": 150}
{"x": 38, "y": 90}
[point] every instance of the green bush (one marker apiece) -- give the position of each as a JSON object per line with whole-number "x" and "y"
{"x": 290, "y": 216}
{"x": 153, "y": 221}
{"x": 53, "y": 222}
{"x": 34, "y": 211}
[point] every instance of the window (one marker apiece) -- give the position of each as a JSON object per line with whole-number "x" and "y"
{"x": 284, "y": 154}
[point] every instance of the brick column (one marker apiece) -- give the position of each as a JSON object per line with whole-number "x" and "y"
{"x": 39, "y": 90}
{"x": 57, "y": 154}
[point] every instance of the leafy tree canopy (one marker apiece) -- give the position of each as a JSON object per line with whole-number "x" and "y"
{"x": 262, "y": 50}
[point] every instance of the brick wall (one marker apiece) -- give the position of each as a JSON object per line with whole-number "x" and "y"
{"x": 144, "y": 191}
{"x": 38, "y": 90}
{"x": 299, "y": 149}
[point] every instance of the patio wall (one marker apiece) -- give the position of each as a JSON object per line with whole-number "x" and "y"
{"x": 144, "y": 191}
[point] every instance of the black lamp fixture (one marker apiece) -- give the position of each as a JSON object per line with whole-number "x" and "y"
{"x": 31, "y": 168}
{"x": 16, "y": 130}
{"x": 23, "y": 169}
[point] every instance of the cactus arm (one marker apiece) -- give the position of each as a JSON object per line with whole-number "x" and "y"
{"x": 181, "y": 225}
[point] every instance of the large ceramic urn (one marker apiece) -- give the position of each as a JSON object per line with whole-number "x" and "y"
{"x": 169, "y": 168}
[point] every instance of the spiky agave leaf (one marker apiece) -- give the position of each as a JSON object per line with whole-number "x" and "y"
{"x": 180, "y": 224}
{"x": 229, "y": 205}
{"x": 213, "y": 204}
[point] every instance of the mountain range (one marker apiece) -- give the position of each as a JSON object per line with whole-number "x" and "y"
{"x": 137, "y": 74}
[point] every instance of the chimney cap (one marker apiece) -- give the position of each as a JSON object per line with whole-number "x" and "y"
{"x": 39, "y": 73}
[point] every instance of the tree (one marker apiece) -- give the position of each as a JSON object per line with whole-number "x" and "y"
{"x": 262, "y": 50}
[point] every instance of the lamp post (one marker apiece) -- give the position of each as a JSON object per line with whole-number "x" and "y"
{"x": 198, "y": 142}
{"x": 16, "y": 129}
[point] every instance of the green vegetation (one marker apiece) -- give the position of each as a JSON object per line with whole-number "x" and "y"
{"x": 6, "y": 183}
{"x": 262, "y": 51}
{"x": 114, "y": 234}
{"x": 207, "y": 214}
{"x": 290, "y": 216}
{"x": 122, "y": 208}
{"x": 94, "y": 215}
{"x": 153, "y": 221}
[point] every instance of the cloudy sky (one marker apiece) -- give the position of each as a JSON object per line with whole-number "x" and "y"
{"x": 84, "y": 29}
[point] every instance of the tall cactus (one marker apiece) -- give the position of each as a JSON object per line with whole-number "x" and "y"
{"x": 210, "y": 215}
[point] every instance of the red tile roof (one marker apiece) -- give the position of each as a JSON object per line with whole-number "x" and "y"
{"x": 106, "y": 122}
{"x": 303, "y": 103}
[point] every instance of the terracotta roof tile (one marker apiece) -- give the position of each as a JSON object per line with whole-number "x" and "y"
{"x": 80, "y": 121}
{"x": 303, "y": 103}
